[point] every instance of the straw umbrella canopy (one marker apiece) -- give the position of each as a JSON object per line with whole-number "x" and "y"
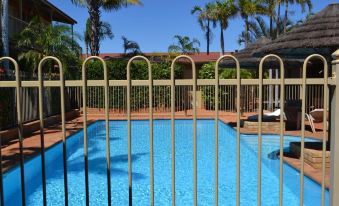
{"x": 248, "y": 61}
{"x": 319, "y": 34}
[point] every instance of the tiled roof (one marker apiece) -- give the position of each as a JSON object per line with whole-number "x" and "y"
{"x": 202, "y": 57}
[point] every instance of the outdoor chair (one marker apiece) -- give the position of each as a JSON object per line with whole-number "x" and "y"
{"x": 315, "y": 116}
{"x": 267, "y": 116}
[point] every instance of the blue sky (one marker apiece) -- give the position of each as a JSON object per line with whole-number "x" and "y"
{"x": 154, "y": 24}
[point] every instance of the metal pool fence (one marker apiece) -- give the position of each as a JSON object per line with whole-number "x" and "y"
{"x": 249, "y": 98}
{"x": 172, "y": 93}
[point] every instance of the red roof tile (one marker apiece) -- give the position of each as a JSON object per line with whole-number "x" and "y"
{"x": 202, "y": 57}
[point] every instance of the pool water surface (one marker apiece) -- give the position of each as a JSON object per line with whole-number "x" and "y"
{"x": 162, "y": 168}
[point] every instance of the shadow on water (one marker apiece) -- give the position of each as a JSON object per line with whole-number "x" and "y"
{"x": 97, "y": 165}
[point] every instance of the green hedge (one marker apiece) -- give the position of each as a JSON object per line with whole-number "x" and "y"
{"x": 139, "y": 71}
{"x": 207, "y": 71}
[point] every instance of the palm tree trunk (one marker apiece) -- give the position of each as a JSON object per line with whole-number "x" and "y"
{"x": 286, "y": 13}
{"x": 5, "y": 31}
{"x": 222, "y": 44}
{"x": 278, "y": 21}
{"x": 86, "y": 49}
{"x": 271, "y": 27}
{"x": 94, "y": 13}
{"x": 208, "y": 36}
{"x": 246, "y": 32}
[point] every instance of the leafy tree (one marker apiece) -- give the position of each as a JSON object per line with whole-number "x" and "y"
{"x": 205, "y": 19}
{"x": 139, "y": 70}
{"x": 130, "y": 47}
{"x": 271, "y": 12}
{"x": 184, "y": 45}
{"x": 302, "y": 3}
{"x": 248, "y": 9}
{"x": 38, "y": 40}
{"x": 94, "y": 9}
{"x": 258, "y": 29}
{"x": 222, "y": 12}
{"x": 105, "y": 32}
{"x": 207, "y": 71}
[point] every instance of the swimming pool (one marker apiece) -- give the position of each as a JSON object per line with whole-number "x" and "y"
{"x": 162, "y": 168}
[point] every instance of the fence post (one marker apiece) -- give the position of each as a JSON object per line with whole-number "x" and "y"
{"x": 334, "y": 133}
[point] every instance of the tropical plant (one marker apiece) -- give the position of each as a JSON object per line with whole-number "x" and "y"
{"x": 130, "y": 47}
{"x": 258, "y": 28}
{"x": 207, "y": 71}
{"x": 249, "y": 9}
{"x": 38, "y": 40}
{"x": 222, "y": 12}
{"x": 205, "y": 19}
{"x": 117, "y": 71}
{"x": 302, "y": 3}
{"x": 94, "y": 9}
{"x": 105, "y": 32}
{"x": 184, "y": 45}
{"x": 271, "y": 13}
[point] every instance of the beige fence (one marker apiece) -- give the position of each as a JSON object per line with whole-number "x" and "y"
{"x": 29, "y": 100}
{"x": 249, "y": 98}
{"x": 172, "y": 93}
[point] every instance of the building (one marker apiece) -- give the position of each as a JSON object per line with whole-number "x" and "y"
{"x": 21, "y": 12}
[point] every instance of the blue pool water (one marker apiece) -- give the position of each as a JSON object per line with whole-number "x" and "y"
{"x": 162, "y": 166}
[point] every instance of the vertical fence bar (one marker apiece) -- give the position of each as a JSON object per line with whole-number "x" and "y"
{"x": 150, "y": 86}
{"x": 20, "y": 132}
{"x": 259, "y": 130}
{"x": 217, "y": 127}
{"x": 334, "y": 131}
{"x": 173, "y": 131}
{"x": 108, "y": 149}
{"x": 194, "y": 78}
{"x": 84, "y": 108}
{"x": 325, "y": 84}
{"x": 42, "y": 138}
{"x": 1, "y": 176}
{"x": 325, "y": 134}
{"x": 63, "y": 127}
{"x": 84, "y": 101}
{"x": 84, "y": 96}
{"x": 150, "y": 93}
{"x": 282, "y": 108}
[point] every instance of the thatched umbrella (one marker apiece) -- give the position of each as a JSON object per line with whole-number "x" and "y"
{"x": 248, "y": 61}
{"x": 319, "y": 34}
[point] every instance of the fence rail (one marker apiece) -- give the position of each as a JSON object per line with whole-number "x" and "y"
{"x": 29, "y": 100}
{"x": 235, "y": 95}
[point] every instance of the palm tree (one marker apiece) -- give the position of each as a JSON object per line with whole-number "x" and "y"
{"x": 302, "y": 3}
{"x": 271, "y": 12}
{"x": 279, "y": 17}
{"x": 184, "y": 45}
{"x": 205, "y": 18}
{"x": 4, "y": 30}
{"x": 38, "y": 40}
{"x": 94, "y": 9}
{"x": 222, "y": 12}
{"x": 258, "y": 28}
{"x": 130, "y": 47}
{"x": 248, "y": 9}
{"x": 105, "y": 32}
